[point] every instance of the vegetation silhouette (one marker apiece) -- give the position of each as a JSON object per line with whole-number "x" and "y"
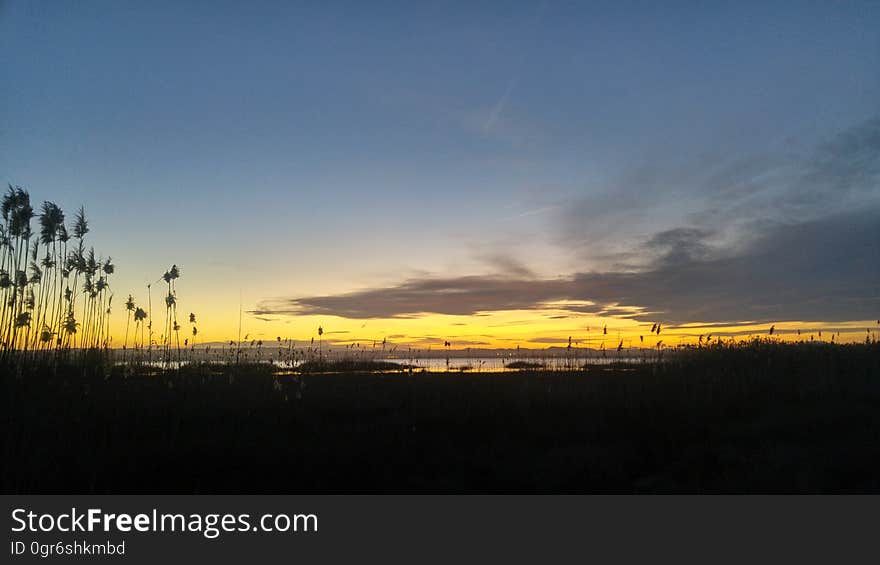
{"x": 759, "y": 416}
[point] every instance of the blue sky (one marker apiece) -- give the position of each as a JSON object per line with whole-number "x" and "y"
{"x": 339, "y": 146}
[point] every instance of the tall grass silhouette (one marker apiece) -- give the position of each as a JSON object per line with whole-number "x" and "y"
{"x": 53, "y": 298}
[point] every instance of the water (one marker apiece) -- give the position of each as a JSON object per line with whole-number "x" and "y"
{"x": 433, "y": 364}
{"x": 500, "y": 364}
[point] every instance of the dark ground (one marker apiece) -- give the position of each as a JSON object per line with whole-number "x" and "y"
{"x": 766, "y": 418}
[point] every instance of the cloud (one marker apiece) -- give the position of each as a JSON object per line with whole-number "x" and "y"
{"x": 561, "y": 340}
{"x": 455, "y": 296}
{"x": 507, "y": 265}
{"x": 826, "y": 269}
{"x": 733, "y": 197}
{"x": 680, "y": 244}
{"x": 764, "y": 239}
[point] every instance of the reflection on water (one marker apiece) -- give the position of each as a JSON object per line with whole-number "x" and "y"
{"x": 501, "y": 364}
{"x": 432, "y": 365}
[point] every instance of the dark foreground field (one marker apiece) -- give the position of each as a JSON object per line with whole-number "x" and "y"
{"x": 768, "y": 418}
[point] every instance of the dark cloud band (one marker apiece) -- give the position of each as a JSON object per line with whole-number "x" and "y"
{"x": 826, "y": 269}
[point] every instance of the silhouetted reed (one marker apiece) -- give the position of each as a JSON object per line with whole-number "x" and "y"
{"x": 54, "y": 299}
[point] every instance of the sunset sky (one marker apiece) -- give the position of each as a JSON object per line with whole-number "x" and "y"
{"x": 492, "y": 174}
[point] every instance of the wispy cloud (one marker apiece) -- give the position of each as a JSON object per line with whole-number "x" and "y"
{"x": 528, "y": 213}
{"x": 506, "y": 264}
{"x": 730, "y": 198}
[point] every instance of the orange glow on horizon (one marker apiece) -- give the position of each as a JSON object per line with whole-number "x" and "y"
{"x": 530, "y": 329}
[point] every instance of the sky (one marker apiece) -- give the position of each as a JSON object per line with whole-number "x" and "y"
{"x": 491, "y": 174}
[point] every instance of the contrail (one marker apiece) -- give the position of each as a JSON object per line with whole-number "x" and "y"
{"x": 499, "y": 107}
